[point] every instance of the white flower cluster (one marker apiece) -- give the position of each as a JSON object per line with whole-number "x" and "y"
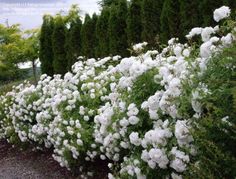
{"x": 221, "y": 13}
{"x": 107, "y": 108}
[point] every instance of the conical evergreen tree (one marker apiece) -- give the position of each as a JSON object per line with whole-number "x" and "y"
{"x": 207, "y": 8}
{"x": 88, "y": 36}
{"x": 231, "y": 4}
{"x": 94, "y": 40}
{"x": 102, "y": 49}
{"x": 134, "y": 24}
{"x": 58, "y": 44}
{"x": 117, "y": 29}
{"x": 108, "y": 3}
{"x": 151, "y": 12}
{"x": 170, "y": 20}
{"x": 46, "y": 52}
{"x": 189, "y": 16}
{"x": 73, "y": 42}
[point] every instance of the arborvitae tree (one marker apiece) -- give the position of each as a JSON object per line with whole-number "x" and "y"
{"x": 170, "y": 20}
{"x": 58, "y": 44}
{"x": 117, "y": 29}
{"x": 108, "y": 3}
{"x": 88, "y": 36}
{"x": 134, "y": 24}
{"x": 94, "y": 40}
{"x": 46, "y": 52}
{"x": 232, "y": 4}
{"x": 102, "y": 49}
{"x": 151, "y": 12}
{"x": 189, "y": 16}
{"x": 207, "y": 8}
{"x": 73, "y": 42}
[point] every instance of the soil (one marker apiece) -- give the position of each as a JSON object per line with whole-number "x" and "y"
{"x": 28, "y": 164}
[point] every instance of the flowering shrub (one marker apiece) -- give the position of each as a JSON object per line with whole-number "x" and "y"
{"x": 144, "y": 114}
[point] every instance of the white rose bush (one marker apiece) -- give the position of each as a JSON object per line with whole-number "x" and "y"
{"x": 141, "y": 114}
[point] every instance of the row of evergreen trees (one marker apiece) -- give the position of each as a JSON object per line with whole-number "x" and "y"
{"x": 120, "y": 24}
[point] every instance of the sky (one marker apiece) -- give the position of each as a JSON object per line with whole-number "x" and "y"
{"x": 29, "y": 13}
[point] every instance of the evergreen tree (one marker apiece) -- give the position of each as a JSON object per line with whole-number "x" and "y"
{"x": 231, "y": 4}
{"x": 73, "y": 42}
{"x": 108, "y": 3}
{"x": 102, "y": 34}
{"x": 58, "y": 44}
{"x": 117, "y": 29}
{"x": 207, "y": 8}
{"x": 46, "y": 52}
{"x": 151, "y": 12}
{"x": 134, "y": 24}
{"x": 170, "y": 20}
{"x": 94, "y": 39}
{"x": 189, "y": 16}
{"x": 88, "y": 36}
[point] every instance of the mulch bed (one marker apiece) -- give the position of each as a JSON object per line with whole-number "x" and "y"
{"x": 28, "y": 164}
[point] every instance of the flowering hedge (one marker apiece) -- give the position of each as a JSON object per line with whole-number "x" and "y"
{"x": 143, "y": 114}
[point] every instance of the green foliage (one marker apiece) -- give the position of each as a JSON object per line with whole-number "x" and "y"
{"x": 207, "y": 8}
{"x": 73, "y": 42}
{"x": 46, "y": 51}
{"x": 134, "y": 24}
{"x": 144, "y": 87}
{"x": 215, "y": 131}
{"x": 102, "y": 49}
{"x": 16, "y": 46}
{"x": 170, "y": 20}
{"x": 58, "y": 46}
{"x": 88, "y": 36}
{"x": 189, "y": 16}
{"x": 108, "y": 3}
{"x": 117, "y": 29}
{"x": 151, "y": 12}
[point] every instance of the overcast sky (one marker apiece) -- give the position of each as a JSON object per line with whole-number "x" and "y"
{"x": 29, "y": 12}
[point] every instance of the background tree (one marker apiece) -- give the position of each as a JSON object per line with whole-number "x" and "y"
{"x": 94, "y": 39}
{"x": 117, "y": 29}
{"x": 207, "y": 8}
{"x": 46, "y": 52}
{"x": 11, "y": 52}
{"x": 102, "y": 35}
{"x": 151, "y": 12}
{"x": 189, "y": 16}
{"x": 108, "y": 3}
{"x": 31, "y": 49}
{"x": 73, "y": 42}
{"x": 73, "y": 38}
{"x": 134, "y": 24}
{"x": 87, "y": 36}
{"x": 58, "y": 45}
{"x": 170, "y": 21}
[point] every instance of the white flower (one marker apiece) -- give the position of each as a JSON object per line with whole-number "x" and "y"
{"x": 195, "y": 31}
{"x": 206, "y": 33}
{"x": 205, "y": 49}
{"x": 175, "y": 176}
{"x": 132, "y": 110}
{"x": 182, "y": 133}
{"x": 186, "y": 52}
{"x": 134, "y": 138}
{"x": 221, "y": 13}
{"x": 139, "y": 47}
{"x": 178, "y": 165}
{"x": 133, "y": 120}
{"x": 227, "y": 40}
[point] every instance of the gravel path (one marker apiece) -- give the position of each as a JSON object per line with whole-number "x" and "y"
{"x": 16, "y": 164}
